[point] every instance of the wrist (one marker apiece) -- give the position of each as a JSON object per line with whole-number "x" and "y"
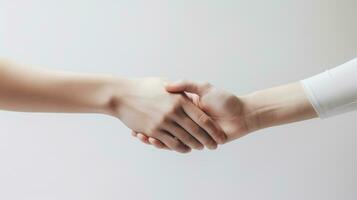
{"x": 276, "y": 106}
{"x": 118, "y": 89}
{"x": 251, "y": 112}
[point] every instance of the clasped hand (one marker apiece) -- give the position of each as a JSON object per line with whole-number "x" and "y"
{"x": 182, "y": 116}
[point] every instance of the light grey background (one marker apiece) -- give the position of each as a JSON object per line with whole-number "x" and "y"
{"x": 241, "y": 45}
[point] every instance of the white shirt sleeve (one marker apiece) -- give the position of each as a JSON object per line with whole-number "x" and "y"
{"x": 334, "y": 91}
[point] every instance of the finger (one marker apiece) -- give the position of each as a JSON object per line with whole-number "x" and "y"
{"x": 153, "y": 141}
{"x": 188, "y": 86}
{"x": 194, "y": 98}
{"x": 156, "y": 143}
{"x": 205, "y": 122}
{"x": 143, "y": 138}
{"x": 184, "y": 136}
{"x": 173, "y": 143}
{"x": 195, "y": 130}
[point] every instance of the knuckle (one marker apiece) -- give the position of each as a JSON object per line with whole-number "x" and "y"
{"x": 204, "y": 119}
{"x": 187, "y": 138}
{"x": 196, "y": 129}
{"x": 176, "y": 105}
{"x": 162, "y": 120}
{"x": 172, "y": 110}
{"x": 165, "y": 119}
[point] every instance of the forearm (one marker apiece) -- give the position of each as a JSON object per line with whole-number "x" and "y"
{"x": 276, "y": 106}
{"x": 39, "y": 90}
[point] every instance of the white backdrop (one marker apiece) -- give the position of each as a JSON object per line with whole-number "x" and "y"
{"x": 241, "y": 45}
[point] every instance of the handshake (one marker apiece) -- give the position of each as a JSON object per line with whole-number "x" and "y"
{"x": 179, "y": 116}
{"x": 184, "y": 115}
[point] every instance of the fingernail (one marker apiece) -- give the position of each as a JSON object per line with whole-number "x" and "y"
{"x": 199, "y": 147}
{"x": 212, "y": 147}
{"x": 222, "y": 139}
{"x": 186, "y": 151}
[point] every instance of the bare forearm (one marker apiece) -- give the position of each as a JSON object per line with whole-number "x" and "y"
{"x": 39, "y": 90}
{"x": 276, "y": 106}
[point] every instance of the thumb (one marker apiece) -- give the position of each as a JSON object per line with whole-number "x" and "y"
{"x": 188, "y": 86}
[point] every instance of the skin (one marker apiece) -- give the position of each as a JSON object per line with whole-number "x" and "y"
{"x": 175, "y": 120}
{"x": 240, "y": 115}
